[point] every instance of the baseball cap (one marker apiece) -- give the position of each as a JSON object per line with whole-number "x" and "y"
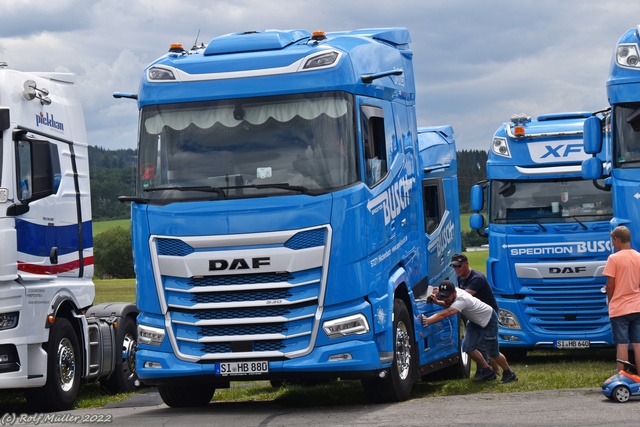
{"x": 458, "y": 259}
{"x": 445, "y": 289}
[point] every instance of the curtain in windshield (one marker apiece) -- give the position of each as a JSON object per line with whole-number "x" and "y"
{"x": 248, "y": 148}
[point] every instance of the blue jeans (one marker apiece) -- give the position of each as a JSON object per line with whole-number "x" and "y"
{"x": 626, "y": 329}
{"x": 476, "y": 334}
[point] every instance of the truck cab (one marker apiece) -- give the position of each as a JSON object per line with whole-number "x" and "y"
{"x": 548, "y": 235}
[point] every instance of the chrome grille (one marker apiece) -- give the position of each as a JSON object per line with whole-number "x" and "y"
{"x": 218, "y": 315}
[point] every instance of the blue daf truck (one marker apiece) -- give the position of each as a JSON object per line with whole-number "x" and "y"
{"x": 289, "y": 218}
{"x": 618, "y": 135}
{"x": 548, "y": 232}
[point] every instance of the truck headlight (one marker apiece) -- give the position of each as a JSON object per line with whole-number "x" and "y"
{"x": 500, "y": 147}
{"x": 507, "y": 319}
{"x": 149, "y": 335}
{"x": 356, "y": 324}
{"x": 627, "y": 56}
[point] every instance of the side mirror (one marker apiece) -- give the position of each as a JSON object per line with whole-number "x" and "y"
{"x": 592, "y": 168}
{"x": 592, "y": 136}
{"x": 476, "y": 221}
{"x": 477, "y": 198}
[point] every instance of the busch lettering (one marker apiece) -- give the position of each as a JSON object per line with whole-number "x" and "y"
{"x": 445, "y": 238}
{"x": 592, "y": 246}
{"x": 394, "y": 200}
{"x": 238, "y": 264}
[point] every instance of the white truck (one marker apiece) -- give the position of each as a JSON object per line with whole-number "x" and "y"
{"x": 51, "y": 337}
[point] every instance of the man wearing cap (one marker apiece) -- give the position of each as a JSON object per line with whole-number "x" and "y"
{"x": 482, "y": 324}
{"x": 475, "y": 283}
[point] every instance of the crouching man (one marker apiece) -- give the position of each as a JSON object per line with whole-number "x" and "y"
{"x": 483, "y": 324}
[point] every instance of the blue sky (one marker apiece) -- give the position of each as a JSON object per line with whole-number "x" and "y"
{"x": 476, "y": 62}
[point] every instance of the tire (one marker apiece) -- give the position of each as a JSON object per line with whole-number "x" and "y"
{"x": 396, "y": 386}
{"x": 63, "y": 371}
{"x": 186, "y": 396}
{"x": 621, "y": 394}
{"x": 124, "y": 379}
{"x": 463, "y": 367}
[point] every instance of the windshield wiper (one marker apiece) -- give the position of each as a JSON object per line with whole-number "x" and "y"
{"x": 535, "y": 219}
{"x": 281, "y": 186}
{"x": 206, "y": 188}
{"x": 579, "y": 222}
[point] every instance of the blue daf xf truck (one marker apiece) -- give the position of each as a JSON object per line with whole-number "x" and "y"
{"x": 289, "y": 219}
{"x": 548, "y": 236}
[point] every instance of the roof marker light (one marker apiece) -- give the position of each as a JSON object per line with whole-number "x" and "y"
{"x": 519, "y": 120}
{"x": 176, "y": 47}
{"x": 319, "y": 35}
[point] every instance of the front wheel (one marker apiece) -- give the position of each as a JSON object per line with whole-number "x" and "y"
{"x": 621, "y": 394}
{"x": 63, "y": 370}
{"x": 396, "y": 386}
{"x": 186, "y": 396}
{"x": 123, "y": 379}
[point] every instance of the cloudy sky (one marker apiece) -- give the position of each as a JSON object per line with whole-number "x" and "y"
{"x": 476, "y": 62}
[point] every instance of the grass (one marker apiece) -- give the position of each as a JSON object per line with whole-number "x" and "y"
{"x": 115, "y": 290}
{"x": 102, "y": 226}
{"x": 478, "y": 260}
{"x": 542, "y": 370}
{"x": 464, "y": 222}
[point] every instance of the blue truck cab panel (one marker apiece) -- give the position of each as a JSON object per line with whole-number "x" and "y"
{"x": 279, "y": 225}
{"x": 548, "y": 235}
{"x": 617, "y": 136}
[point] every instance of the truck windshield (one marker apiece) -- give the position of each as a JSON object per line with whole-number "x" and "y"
{"x": 244, "y": 148}
{"x": 537, "y": 202}
{"x": 626, "y": 147}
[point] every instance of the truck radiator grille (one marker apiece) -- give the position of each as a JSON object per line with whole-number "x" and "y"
{"x": 555, "y": 308}
{"x": 226, "y": 316}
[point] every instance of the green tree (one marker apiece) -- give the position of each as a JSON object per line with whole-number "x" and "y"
{"x": 112, "y": 254}
{"x": 471, "y": 238}
{"x": 471, "y": 169}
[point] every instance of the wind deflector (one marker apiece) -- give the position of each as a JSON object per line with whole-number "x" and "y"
{"x": 252, "y": 41}
{"x": 396, "y": 36}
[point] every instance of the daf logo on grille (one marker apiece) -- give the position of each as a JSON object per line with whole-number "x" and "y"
{"x": 565, "y": 270}
{"x": 239, "y": 264}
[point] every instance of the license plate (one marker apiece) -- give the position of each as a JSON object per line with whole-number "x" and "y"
{"x": 242, "y": 368}
{"x": 572, "y": 344}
